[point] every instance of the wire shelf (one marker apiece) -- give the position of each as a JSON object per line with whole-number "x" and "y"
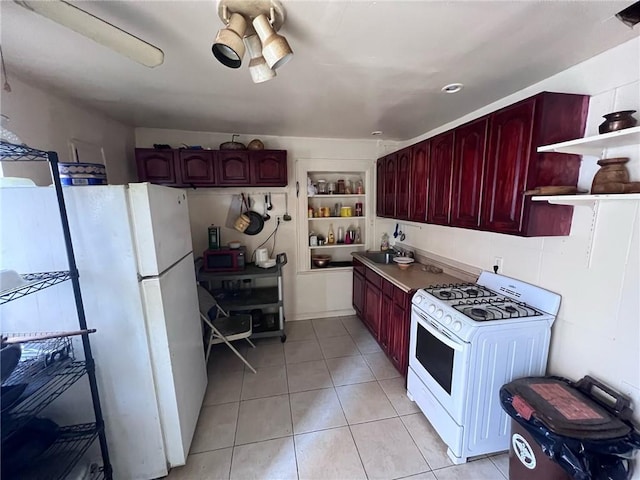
{"x": 39, "y": 358}
{"x": 59, "y": 459}
{"x": 21, "y": 153}
{"x": 42, "y": 389}
{"x": 35, "y": 283}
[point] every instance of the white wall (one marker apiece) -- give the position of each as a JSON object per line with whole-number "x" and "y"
{"x": 597, "y": 268}
{"x": 310, "y": 295}
{"x": 47, "y": 122}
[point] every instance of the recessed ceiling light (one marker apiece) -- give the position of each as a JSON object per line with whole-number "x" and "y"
{"x": 452, "y": 88}
{"x": 376, "y": 132}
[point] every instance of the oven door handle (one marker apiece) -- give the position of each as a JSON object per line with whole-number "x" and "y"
{"x": 439, "y": 335}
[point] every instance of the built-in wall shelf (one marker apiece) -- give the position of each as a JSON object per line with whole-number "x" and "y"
{"x": 596, "y": 144}
{"x": 585, "y": 200}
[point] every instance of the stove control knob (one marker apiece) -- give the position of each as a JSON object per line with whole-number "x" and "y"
{"x": 447, "y": 319}
{"x": 418, "y": 299}
{"x": 431, "y": 308}
{"x": 457, "y": 326}
{"x": 439, "y": 313}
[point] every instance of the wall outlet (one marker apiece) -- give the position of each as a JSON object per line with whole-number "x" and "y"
{"x": 497, "y": 264}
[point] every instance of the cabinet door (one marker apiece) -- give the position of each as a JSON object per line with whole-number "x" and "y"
{"x": 156, "y": 166}
{"x": 380, "y": 187}
{"x": 196, "y": 167}
{"x": 506, "y": 170}
{"x": 372, "y": 304}
{"x": 386, "y": 323}
{"x": 440, "y": 169}
{"x": 403, "y": 169}
{"x": 358, "y": 293}
{"x": 418, "y": 178}
{"x": 401, "y": 321}
{"x": 390, "y": 185}
{"x": 233, "y": 168}
{"x": 268, "y": 168}
{"x": 399, "y": 348}
{"x": 468, "y": 165}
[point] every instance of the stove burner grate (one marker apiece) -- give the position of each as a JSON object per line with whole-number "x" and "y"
{"x": 459, "y": 291}
{"x": 495, "y": 309}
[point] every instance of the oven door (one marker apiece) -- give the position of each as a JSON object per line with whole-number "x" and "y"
{"x": 441, "y": 360}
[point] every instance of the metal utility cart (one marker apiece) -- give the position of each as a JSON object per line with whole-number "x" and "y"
{"x": 236, "y": 292}
{"x": 60, "y": 371}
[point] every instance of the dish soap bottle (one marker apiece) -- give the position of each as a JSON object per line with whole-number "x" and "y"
{"x": 384, "y": 243}
{"x": 331, "y": 237}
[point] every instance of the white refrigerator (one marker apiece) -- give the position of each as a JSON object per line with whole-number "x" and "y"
{"x": 134, "y": 256}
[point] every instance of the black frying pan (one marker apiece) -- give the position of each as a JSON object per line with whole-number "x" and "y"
{"x": 256, "y": 221}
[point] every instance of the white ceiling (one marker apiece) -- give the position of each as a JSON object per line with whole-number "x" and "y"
{"x": 359, "y": 66}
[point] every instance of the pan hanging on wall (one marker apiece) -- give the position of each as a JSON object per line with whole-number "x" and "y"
{"x": 256, "y": 221}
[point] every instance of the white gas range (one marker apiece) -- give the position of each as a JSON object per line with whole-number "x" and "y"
{"x": 467, "y": 340}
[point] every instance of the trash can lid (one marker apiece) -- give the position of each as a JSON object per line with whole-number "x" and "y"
{"x": 564, "y": 409}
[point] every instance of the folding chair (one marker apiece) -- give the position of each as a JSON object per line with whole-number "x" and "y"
{"x": 223, "y": 327}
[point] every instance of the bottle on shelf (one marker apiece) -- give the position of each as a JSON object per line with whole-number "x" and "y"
{"x": 358, "y": 238}
{"x": 359, "y": 187}
{"x": 331, "y": 237}
{"x": 340, "y": 235}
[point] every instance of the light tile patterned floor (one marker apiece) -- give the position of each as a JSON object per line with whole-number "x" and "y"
{"x": 327, "y": 404}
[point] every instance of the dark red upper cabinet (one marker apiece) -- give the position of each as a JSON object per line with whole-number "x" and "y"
{"x": 156, "y": 166}
{"x": 197, "y": 167}
{"x": 468, "y": 163}
{"x": 514, "y": 166}
{"x": 507, "y": 164}
{"x": 390, "y": 185}
{"x": 233, "y": 168}
{"x": 380, "y": 187}
{"x": 418, "y": 181}
{"x": 403, "y": 170}
{"x": 440, "y": 169}
{"x": 268, "y": 168}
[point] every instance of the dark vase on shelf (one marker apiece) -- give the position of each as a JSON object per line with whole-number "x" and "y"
{"x": 617, "y": 121}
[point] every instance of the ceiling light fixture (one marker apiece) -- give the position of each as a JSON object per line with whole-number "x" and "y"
{"x": 252, "y": 25}
{"x": 452, "y": 88}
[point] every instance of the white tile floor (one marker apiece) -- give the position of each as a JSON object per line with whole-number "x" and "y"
{"x": 327, "y": 404}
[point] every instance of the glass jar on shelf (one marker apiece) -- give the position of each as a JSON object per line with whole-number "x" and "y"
{"x": 348, "y": 187}
{"x": 322, "y": 187}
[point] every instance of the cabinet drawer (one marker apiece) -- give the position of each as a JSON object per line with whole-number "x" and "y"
{"x": 373, "y": 278}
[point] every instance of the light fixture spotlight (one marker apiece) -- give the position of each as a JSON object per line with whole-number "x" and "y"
{"x": 258, "y": 68}
{"x": 275, "y": 48}
{"x": 228, "y": 46}
{"x": 452, "y": 88}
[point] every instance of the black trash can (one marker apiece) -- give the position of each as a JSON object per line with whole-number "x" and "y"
{"x": 565, "y": 430}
